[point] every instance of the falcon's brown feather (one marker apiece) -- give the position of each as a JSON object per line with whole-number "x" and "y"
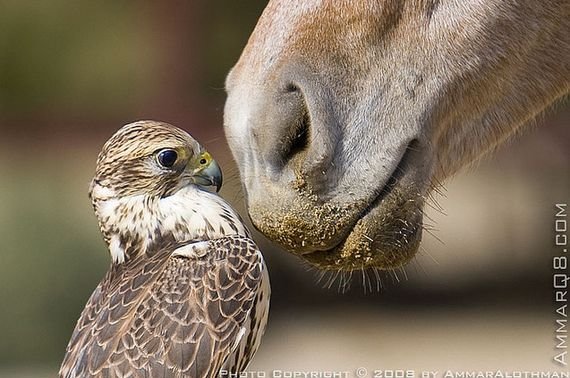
{"x": 168, "y": 316}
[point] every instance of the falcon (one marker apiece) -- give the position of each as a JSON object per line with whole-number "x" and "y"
{"x": 187, "y": 292}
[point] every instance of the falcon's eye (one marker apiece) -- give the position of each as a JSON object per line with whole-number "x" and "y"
{"x": 167, "y": 158}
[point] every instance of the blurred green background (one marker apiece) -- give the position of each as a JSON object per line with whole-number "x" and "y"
{"x": 72, "y": 72}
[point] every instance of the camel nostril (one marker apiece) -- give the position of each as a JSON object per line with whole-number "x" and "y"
{"x": 299, "y": 138}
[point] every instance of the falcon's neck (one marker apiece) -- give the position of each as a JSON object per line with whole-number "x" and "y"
{"x": 138, "y": 224}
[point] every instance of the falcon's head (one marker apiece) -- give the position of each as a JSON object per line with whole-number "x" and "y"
{"x": 149, "y": 187}
{"x": 152, "y": 158}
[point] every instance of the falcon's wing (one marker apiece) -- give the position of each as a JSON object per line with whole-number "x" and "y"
{"x": 170, "y": 315}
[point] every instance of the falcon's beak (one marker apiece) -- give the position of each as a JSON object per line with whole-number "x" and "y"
{"x": 210, "y": 175}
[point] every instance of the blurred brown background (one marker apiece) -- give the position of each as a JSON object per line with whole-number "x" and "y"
{"x": 72, "y": 72}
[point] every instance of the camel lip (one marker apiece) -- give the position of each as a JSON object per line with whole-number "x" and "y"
{"x": 397, "y": 173}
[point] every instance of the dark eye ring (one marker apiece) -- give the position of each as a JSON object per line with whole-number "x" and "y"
{"x": 167, "y": 158}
